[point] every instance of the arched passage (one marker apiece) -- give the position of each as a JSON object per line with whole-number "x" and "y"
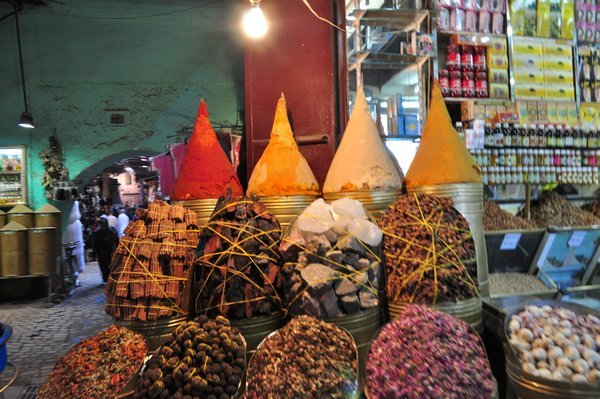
{"x": 93, "y": 170}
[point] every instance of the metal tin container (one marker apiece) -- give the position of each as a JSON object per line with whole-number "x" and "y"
{"x": 468, "y": 200}
{"x": 203, "y": 208}
{"x": 285, "y": 208}
{"x": 469, "y": 310}
{"x": 256, "y": 329}
{"x": 22, "y": 215}
{"x": 2, "y": 218}
{"x": 13, "y": 258}
{"x": 41, "y": 250}
{"x": 156, "y": 332}
{"x": 49, "y": 216}
{"x": 376, "y": 201}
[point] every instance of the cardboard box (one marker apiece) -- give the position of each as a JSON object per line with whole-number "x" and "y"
{"x": 528, "y": 61}
{"x": 490, "y": 113}
{"x": 497, "y": 45}
{"x": 499, "y": 90}
{"x": 527, "y": 47}
{"x": 542, "y": 111}
{"x": 530, "y": 91}
{"x": 557, "y": 49}
{"x": 573, "y": 116}
{"x": 532, "y": 114}
{"x": 552, "y": 112}
{"x": 496, "y": 75}
{"x": 560, "y": 92}
{"x": 557, "y": 63}
{"x": 467, "y": 110}
{"x": 399, "y": 126}
{"x": 562, "y": 109}
{"x": 558, "y": 77}
{"x": 521, "y": 109}
{"x": 498, "y": 61}
{"x": 526, "y": 76}
{"x": 411, "y": 125}
{"x": 479, "y": 112}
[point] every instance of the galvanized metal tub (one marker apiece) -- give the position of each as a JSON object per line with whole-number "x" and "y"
{"x": 256, "y": 329}
{"x": 22, "y": 215}
{"x": 2, "y": 218}
{"x": 203, "y": 208}
{"x": 285, "y": 208}
{"x": 469, "y": 310}
{"x": 468, "y": 200}
{"x": 49, "y": 216}
{"x": 41, "y": 250}
{"x": 13, "y": 258}
{"x": 376, "y": 201}
{"x": 156, "y": 332}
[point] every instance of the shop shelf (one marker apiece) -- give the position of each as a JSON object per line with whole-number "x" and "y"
{"x": 405, "y": 20}
{"x": 481, "y": 101}
{"x": 10, "y": 172}
{"x": 385, "y": 60}
{"x": 544, "y": 40}
{"x": 472, "y": 38}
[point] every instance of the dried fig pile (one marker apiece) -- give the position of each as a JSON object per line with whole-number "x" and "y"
{"x": 429, "y": 252}
{"x": 238, "y": 273}
{"x": 307, "y": 358}
{"x": 496, "y": 219}
{"x": 204, "y": 358}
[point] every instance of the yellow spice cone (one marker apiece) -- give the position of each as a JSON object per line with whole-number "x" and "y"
{"x": 442, "y": 156}
{"x": 282, "y": 170}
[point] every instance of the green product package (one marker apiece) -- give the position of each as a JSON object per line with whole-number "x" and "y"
{"x": 543, "y": 18}
{"x": 517, "y": 17}
{"x": 568, "y": 19}
{"x": 555, "y": 19}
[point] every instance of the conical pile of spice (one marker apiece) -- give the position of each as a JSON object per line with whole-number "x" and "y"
{"x": 206, "y": 171}
{"x": 442, "y": 156}
{"x": 282, "y": 170}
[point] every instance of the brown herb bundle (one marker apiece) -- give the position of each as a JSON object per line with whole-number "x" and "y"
{"x": 552, "y": 209}
{"x": 496, "y": 219}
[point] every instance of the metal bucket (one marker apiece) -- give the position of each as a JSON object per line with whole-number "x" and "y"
{"x": 13, "y": 258}
{"x": 376, "y": 202}
{"x": 156, "y": 332}
{"x": 42, "y": 250}
{"x": 363, "y": 327}
{"x": 203, "y": 208}
{"x": 469, "y": 311}
{"x": 22, "y": 215}
{"x": 49, "y": 216}
{"x": 468, "y": 200}
{"x": 256, "y": 329}
{"x": 2, "y": 218}
{"x": 285, "y": 208}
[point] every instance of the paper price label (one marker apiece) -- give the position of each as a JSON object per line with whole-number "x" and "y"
{"x": 510, "y": 242}
{"x": 577, "y": 238}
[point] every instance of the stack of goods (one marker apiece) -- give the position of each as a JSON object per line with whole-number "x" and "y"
{"x": 361, "y": 162}
{"x": 98, "y": 367}
{"x": 206, "y": 172}
{"x": 543, "y": 18}
{"x": 331, "y": 268}
{"x": 588, "y": 16}
{"x": 497, "y": 60}
{"x": 556, "y": 343}
{"x": 427, "y": 354}
{"x": 282, "y": 170}
{"x": 466, "y": 73}
{"x": 552, "y": 209}
{"x": 307, "y": 358}
{"x": 149, "y": 270}
{"x": 589, "y": 74}
{"x": 204, "y": 358}
{"x": 512, "y": 283}
{"x": 429, "y": 252}
{"x": 239, "y": 266}
{"x": 461, "y": 16}
{"x": 497, "y": 219}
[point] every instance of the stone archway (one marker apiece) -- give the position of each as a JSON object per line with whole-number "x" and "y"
{"x": 93, "y": 170}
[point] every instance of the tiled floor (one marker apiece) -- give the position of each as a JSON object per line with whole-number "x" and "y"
{"x": 43, "y": 332}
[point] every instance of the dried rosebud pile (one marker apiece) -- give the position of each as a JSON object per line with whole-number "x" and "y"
{"x": 204, "y": 358}
{"x": 332, "y": 267}
{"x": 428, "y": 354}
{"x": 238, "y": 274}
{"x": 496, "y": 219}
{"x": 307, "y": 358}
{"x": 552, "y": 209}
{"x": 98, "y": 367}
{"x": 429, "y": 251}
{"x": 149, "y": 270}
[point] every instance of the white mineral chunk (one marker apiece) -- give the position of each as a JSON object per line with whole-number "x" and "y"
{"x": 349, "y": 207}
{"x": 365, "y": 231}
{"x": 316, "y": 218}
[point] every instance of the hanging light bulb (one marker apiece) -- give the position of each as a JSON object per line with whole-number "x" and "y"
{"x": 254, "y": 23}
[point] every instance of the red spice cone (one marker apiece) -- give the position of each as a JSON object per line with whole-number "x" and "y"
{"x": 206, "y": 171}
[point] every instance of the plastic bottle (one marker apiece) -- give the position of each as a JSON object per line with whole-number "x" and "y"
{"x": 460, "y": 131}
{"x": 542, "y": 136}
{"x": 568, "y": 137}
{"x": 498, "y": 135}
{"x": 533, "y": 135}
{"x": 488, "y": 135}
{"x": 507, "y": 135}
{"x": 516, "y": 135}
{"x": 551, "y": 140}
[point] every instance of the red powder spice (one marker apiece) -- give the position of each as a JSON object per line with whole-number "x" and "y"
{"x": 206, "y": 171}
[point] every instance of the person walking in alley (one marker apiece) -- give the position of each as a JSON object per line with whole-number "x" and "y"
{"x": 105, "y": 244}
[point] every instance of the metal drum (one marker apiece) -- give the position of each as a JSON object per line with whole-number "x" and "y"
{"x": 256, "y": 329}
{"x": 203, "y": 208}
{"x": 469, "y": 311}
{"x": 42, "y": 250}
{"x": 468, "y": 200}
{"x": 13, "y": 258}
{"x": 49, "y": 216}
{"x": 285, "y": 208}
{"x": 156, "y": 332}
{"x": 22, "y": 215}
{"x": 376, "y": 202}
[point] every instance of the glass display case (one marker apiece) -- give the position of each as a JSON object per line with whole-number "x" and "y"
{"x": 13, "y": 175}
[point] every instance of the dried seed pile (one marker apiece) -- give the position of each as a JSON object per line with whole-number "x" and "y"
{"x": 515, "y": 284}
{"x": 552, "y": 209}
{"x": 307, "y": 358}
{"x": 98, "y": 367}
{"x": 149, "y": 270}
{"x": 204, "y": 358}
{"x": 238, "y": 273}
{"x": 496, "y": 218}
{"x": 557, "y": 344}
{"x": 428, "y": 354}
{"x": 593, "y": 207}
{"x": 429, "y": 251}
{"x": 332, "y": 266}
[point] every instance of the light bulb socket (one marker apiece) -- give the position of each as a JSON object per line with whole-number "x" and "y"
{"x": 26, "y": 120}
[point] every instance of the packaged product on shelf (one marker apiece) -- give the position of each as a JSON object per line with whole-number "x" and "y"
{"x": 498, "y": 61}
{"x": 457, "y": 19}
{"x": 555, "y": 19}
{"x": 567, "y": 11}
{"x": 543, "y": 18}
{"x": 471, "y": 21}
{"x": 485, "y": 22}
{"x": 97, "y": 367}
{"x": 238, "y": 269}
{"x": 497, "y": 23}
{"x": 530, "y": 25}
{"x": 497, "y": 75}
{"x": 443, "y": 21}
{"x": 332, "y": 260}
{"x": 428, "y": 354}
{"x": 203, "y": 358}
{"x": 307, "y": 358}
{"x": 444, "y": 80}
{"x": 499, "y": 91}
